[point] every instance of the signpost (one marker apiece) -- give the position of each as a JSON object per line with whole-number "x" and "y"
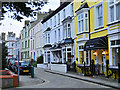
{"x": 18, "y": 69}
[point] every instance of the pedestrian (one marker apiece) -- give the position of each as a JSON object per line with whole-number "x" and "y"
{"x": 74, "y": 64}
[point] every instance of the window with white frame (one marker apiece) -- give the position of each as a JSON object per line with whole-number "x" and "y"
{"x": 48, "y": 38}
{"x": 114, "y": 7}
{"x": 115, "y": 57}
{"x": 55, "y": 21}
{"x": 86, "y": 21}
{"x": 99, "y": 15}
{"x": 59, "y": 33}
{"x": 65, "y": 31}
{"x": 33, "y": 31}
{"x": 31, "y": 44}
{"x": 51, "y": 22}
{"x": 55, "y": 36}
{"x": 80, "y": 23}
{"x": 72, "y": 9}
{"x": 58, "y": 18}
{"x": 69, "y": 30}
{"x": 64, "y": 14}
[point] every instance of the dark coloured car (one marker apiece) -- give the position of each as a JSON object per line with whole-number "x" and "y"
{"x": 25, "y": 67}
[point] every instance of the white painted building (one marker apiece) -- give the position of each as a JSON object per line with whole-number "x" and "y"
{"x": 58, "y": 35}
{"x": 35, "y": 31}
{"x": 114, "y": 33}
{"x": 11, "y": 44}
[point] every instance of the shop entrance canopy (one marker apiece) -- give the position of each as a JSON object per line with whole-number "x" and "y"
{"x": 96, "y": 43}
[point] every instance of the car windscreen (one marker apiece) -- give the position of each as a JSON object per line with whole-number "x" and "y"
{"x": 25, "y": 64}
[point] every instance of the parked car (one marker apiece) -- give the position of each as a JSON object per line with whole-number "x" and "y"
{"x": 11, "y": 62}
{"x": 25, "y": 67}
{"x": 15, "y": 66}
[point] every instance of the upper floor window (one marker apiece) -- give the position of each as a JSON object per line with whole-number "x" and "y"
{"x": 86, "y": 21}
{"x": 51, "y": 22}
{"x": 59, "y": 33}
{"x": 114, "y": 6}
{"x": 33, "y": 31}
{"x": 80, "y": 23}
{"x": 55, "y": 20}
{"x": 99, "y": 15}
{"x": 64, "y": 13}
{"x": 48, "y": 38}
{"x": 55, "y": 36}
{"x": 72, "y": 9}
{"x": 58, "y": 18}
{"x": 69, "y": 30}
{"x": 33, "y": 44}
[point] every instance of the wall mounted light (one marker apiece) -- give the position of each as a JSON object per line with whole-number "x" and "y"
{"x": 95, "y": 53}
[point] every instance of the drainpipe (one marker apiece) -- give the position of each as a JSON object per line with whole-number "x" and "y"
{"x": 119, "y": 66}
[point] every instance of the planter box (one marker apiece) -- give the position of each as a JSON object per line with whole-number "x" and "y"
{"x": 41, "y": 66}
{"x": 59, "y": 67}
{"x": 8, "y": 79}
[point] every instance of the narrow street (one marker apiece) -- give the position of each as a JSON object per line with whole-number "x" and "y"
{"x": 48, "y": 80}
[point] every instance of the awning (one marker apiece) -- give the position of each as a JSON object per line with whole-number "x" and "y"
{"x": 96, "y": 43}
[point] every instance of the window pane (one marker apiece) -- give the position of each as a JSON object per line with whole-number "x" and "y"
{"x": 82, "y": 25}
{"x": 79, "y": 26}
{"x": 118, "y": 11}
{"x": 86, "y": 24}
{"x": 69, "y": 32}
{"x": 112, "y": 13}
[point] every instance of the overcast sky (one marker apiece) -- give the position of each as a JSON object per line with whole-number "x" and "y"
{"x": 9, "y": 25}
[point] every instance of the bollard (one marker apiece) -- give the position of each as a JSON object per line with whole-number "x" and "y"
{"x": 84, "y": 69}
{"x": 107, "y": 62}
{"x": 32, "y": 72}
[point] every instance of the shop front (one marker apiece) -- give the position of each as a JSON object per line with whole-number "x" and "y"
{"x": 99, "y": 54}
{"x": 68, "y": 53}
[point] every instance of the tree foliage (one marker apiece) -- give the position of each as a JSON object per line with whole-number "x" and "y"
{"x": 40, "y": 60}
{"x": 20, "y": 9}
{"x": 4, "y": 54}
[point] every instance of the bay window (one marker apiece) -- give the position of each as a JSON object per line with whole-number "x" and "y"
{"x": 80, "y": 23}
{"x": 114, "y": 6}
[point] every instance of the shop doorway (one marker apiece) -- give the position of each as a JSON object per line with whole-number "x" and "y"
{"x": 100, "y": 62}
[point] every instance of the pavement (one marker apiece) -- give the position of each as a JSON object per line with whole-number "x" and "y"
{"x": 94, "y": 79}
{"x": 44, "y": 78}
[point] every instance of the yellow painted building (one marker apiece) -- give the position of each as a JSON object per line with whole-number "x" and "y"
{"x": 92, "y": 43}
